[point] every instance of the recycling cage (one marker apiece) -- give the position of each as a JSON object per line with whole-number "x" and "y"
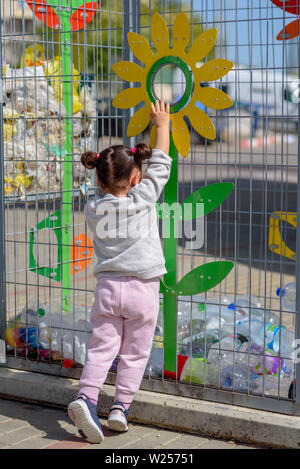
{"x": 58, "y": 87}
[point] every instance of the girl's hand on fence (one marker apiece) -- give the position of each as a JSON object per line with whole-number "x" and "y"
{"x": 160, "y": 117}
{"x": 160, "y": 114}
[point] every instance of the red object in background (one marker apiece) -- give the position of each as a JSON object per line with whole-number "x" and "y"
{"x": 44, "y": 12}
{"x": 291, "y": 6}
{"x": 83, "y": 15}
{"x": 181, "y": 359}
{"x": 290, "y": 31}
{"x": 67, "y": 363}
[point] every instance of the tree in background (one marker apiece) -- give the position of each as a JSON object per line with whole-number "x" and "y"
{"x": 104, "y": 35}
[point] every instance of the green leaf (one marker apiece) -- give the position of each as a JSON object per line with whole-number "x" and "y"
{"x": 203, "y": 278}
{"x": 163, "y": 287}
{"x": 211, "y": 196}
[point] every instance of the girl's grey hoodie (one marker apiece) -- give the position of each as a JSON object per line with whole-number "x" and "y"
{"x": 125, "y": 229}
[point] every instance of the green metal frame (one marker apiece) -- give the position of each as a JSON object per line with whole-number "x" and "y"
{"x": 171, "y": 60}
{"x": 62, "y": 9}
{"x": 202, "y": 278}
{"x": 53, "y": 222}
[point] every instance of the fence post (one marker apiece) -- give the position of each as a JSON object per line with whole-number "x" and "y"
{"x": 2, "y": 221}
{"x": 131, "y": 16}
{"x": 297, "y": 370}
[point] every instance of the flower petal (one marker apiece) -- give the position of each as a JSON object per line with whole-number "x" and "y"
{"x": 180, "y": 134}
{"x": 214, "y": 69}
{"x": 214, "y": 98}
{"x": 181, "y": 33}
{"x": 129, "y": 71}
{"x": 139, "y": 121}
{"x": 129, "y": 98}
{"x": 140, "y": 48}
{"x": 290, "y": 31}
{"x": 153, "y": 136}
{"x": 159, "y": 33}
{"x": 201, "y": 122}
{"x": 202, "y": 46}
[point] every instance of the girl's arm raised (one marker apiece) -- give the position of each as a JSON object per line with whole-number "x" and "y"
{"x": 159, "y": 166}
{"x": 160, "y": 117}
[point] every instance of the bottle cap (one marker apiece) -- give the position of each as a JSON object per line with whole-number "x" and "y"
{"x": 280, "y": 292}
{"x": 67, "y": 363}
{"x": 41, "y": 312}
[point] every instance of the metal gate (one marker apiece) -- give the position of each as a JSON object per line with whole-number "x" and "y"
{"x": 233, "y": 340}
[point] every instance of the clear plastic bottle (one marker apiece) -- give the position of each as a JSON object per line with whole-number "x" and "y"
{"x": 283, "y": 341}
{"x": 71, "y": 344}
{"x": 224, "y": 352}
{"x": 156, "y": 362}
{"x": 253, "y": 311}
{"x": 238, "y": 378}
{"x": 196, "y": 370}
{"x": 35, "y": 313}
{"x": 199, "y": 345}
{"x": 288, "y": 296}
{"x": 260, "y": 360}
{"x": 252, "y": 329}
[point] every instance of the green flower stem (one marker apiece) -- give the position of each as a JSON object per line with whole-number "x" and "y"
{"x": 170, "y": 251}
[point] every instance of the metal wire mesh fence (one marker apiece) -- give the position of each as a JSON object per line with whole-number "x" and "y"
{"x": 234, "y": 342}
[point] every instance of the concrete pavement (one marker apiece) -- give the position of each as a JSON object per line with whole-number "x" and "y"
{"x": 31, "y": 426}
{"x": 153, "y": 409}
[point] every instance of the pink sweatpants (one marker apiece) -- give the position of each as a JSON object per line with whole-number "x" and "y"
{"x": 123, "y": 319}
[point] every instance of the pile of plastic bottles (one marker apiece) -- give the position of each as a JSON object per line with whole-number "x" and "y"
{"x": 54, "y": 333}
{"x": 33, "y": 113}
{"x": 229, "y": 345}
{"x": 220, "y": 343}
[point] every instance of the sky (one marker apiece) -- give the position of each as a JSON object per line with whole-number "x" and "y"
{"x": 250, "y": 28}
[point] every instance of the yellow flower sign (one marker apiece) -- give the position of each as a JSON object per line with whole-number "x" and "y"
{"x": 194, "y": 72}
{"x": 194, "y": 75}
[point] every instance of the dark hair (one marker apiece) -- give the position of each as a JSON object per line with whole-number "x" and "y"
{"x": 115, "y": 164}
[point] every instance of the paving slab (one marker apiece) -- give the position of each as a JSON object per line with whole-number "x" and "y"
{"x": 185, "y": 415}
{"x": 61, "y": 434}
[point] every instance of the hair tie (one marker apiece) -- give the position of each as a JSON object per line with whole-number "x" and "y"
{"x": 98, "y": 154}
{"x": 133, "y": 150}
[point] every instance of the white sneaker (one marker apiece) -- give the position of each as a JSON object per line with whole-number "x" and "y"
{"x": 118, "y": 418}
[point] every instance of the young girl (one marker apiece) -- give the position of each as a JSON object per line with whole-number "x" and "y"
{"x": 129, "y": 263}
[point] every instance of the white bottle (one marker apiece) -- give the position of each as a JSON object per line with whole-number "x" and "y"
{"x": 288, "y": 296}
{"x": 223, "y": 352}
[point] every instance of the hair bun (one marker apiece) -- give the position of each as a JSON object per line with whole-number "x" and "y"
{"x": 143, "y": 152}
{"x": 89, "y": 159}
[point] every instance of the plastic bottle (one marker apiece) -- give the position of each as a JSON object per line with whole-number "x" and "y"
{"x": 51, "y": 314}
{"x": 288, "y": 296}
{"x": 156, "y": 362}
{"x": 253, "y": 330}
{"x": 70, "y": 342}
{"x": 36, "y": 313}
{"x": 282, "y": 340}
{"x": 260, "y": 360}
{"x": 196, "y": 370}
{"x": 224, "y": 352}
{"x": 238, "y": 378}
{"x": 159, "y": 330}
{"x": 247, "y": 310}
{"x": 198, "y": 345}
{"x": 187, "y": 328}
{"x": 22, "y": 336}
